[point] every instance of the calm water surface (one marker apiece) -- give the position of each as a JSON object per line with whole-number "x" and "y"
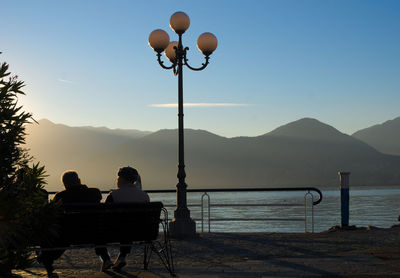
{"x": 379, "y": 208}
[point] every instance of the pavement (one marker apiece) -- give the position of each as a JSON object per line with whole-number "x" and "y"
{"x": 362, "y": 252}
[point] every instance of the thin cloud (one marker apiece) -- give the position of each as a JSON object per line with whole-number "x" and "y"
{"x": 66, "y": 81}
{"x": 200, "y": 104}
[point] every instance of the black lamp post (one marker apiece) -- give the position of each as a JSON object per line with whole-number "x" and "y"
{"x": 181, "y": 225}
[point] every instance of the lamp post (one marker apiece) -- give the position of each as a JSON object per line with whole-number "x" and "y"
{"x": 181, "y": 225}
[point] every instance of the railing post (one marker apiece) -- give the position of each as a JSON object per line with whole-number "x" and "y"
{"x": 305, "y": 212}
{"x": 312, "y": 211}
{"x": 202, "y": 211}
{"x": 344, "y": 197}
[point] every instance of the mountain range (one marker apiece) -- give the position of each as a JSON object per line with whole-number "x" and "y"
{"x": 305, "y": 152}
{"x": 384, "y": 137}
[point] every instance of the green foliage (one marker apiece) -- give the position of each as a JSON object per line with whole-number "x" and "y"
{"x": 26, "y": 216}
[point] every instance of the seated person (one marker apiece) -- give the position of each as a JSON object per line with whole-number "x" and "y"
{"x": 74, "y": 192}
{"x": 129, "y": 191}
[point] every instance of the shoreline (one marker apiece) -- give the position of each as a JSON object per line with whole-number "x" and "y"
{"x": 321, "y": 187}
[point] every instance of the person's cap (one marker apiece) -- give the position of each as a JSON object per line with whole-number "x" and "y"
{"x": 128, "y": 173}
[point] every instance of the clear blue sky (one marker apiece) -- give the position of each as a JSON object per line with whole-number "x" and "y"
{"x": 88, "y": 63}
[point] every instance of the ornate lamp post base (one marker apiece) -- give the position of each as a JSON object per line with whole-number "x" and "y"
{"x": 182, "y": 225}
{"x": 182, "y": 228}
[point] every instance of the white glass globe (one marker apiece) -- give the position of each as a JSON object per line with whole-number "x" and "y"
{"x": 170, "y": 51}
{"x": 207, "y": 43}
{"x": 179, "y": 22}
{"x": 158, "y": 40}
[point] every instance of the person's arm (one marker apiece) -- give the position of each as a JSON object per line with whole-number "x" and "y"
{"x": 109, "y": 198}
{"x": 99, "y": 196}
{"x": 56, "y": 197}
{"x": 139, "y": 182}
{"x": 147, "y": 196}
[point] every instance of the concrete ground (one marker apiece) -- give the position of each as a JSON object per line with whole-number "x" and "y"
{"x": 335, "y": 253}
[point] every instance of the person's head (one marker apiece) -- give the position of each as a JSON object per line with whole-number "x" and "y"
{"x": 127, "y": 175}
{"x": 70, "y": 179}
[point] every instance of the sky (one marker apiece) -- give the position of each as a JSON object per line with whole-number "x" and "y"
{"x": 89, "y": 63}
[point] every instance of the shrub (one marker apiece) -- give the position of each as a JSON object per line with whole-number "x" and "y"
{"x": 26, "y": 216}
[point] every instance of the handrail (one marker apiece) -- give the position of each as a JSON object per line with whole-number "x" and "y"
{"x": 233, "y": 190}
{"x": 308, "y": 193}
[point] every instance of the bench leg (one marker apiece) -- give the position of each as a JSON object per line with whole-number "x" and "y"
{"x": 165, "y": 255}
{"x": 147, "y": 255}
{"x": 163, "y": 248}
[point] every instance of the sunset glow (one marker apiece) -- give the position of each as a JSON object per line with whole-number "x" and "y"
{"x": 276, "y": 62}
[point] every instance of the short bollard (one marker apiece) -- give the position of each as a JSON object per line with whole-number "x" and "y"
{"x": 344, "y": 197}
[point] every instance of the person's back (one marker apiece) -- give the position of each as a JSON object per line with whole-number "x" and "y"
{"x": 128, "y": 192}
{"x": 129, "y": 188}
{"x": 75, "y": 192}
{"x": 79, "y": 194}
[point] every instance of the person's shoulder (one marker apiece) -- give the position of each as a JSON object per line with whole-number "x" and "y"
{"x": 94, "y": 189}
{"x": 91, "y": 191}
{"x": 113, "y": 191}
{"x": 140, "y": 190}
{"x": 145, "y": 195}
{"x": 59, "y": 195}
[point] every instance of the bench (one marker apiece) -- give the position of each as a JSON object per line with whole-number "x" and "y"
{"x": 89, "y": 225}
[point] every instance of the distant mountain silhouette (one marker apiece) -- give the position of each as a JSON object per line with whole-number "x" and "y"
{"x": 302, "y": 153}
{"x": 60, "y": 147}
{"x": 383, "y": 137}
{"x": 311, "y": 129}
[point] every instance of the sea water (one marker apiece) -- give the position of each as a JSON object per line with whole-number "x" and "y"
{"x": 286, "y": 211}
{"x": 368, "y": 207}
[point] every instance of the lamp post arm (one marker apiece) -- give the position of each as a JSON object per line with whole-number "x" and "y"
{"x": 162, "y": 63}
{"x": 204, "y": 65}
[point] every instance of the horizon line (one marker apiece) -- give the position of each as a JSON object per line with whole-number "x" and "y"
{"x": 200, "y": 104}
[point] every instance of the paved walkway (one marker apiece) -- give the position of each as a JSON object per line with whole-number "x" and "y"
{"x": 354, "y": 253}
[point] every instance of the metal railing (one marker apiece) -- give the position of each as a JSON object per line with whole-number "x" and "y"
{"x": 209, "y": 205}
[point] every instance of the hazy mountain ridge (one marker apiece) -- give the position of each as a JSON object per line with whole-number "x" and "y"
{"x": 384, "y": 137}
{"x": 133, "y": 133}
{"x": 61, "y": 147}
{"x": 287, "y": 156}
{"x": 308, "y": 128}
